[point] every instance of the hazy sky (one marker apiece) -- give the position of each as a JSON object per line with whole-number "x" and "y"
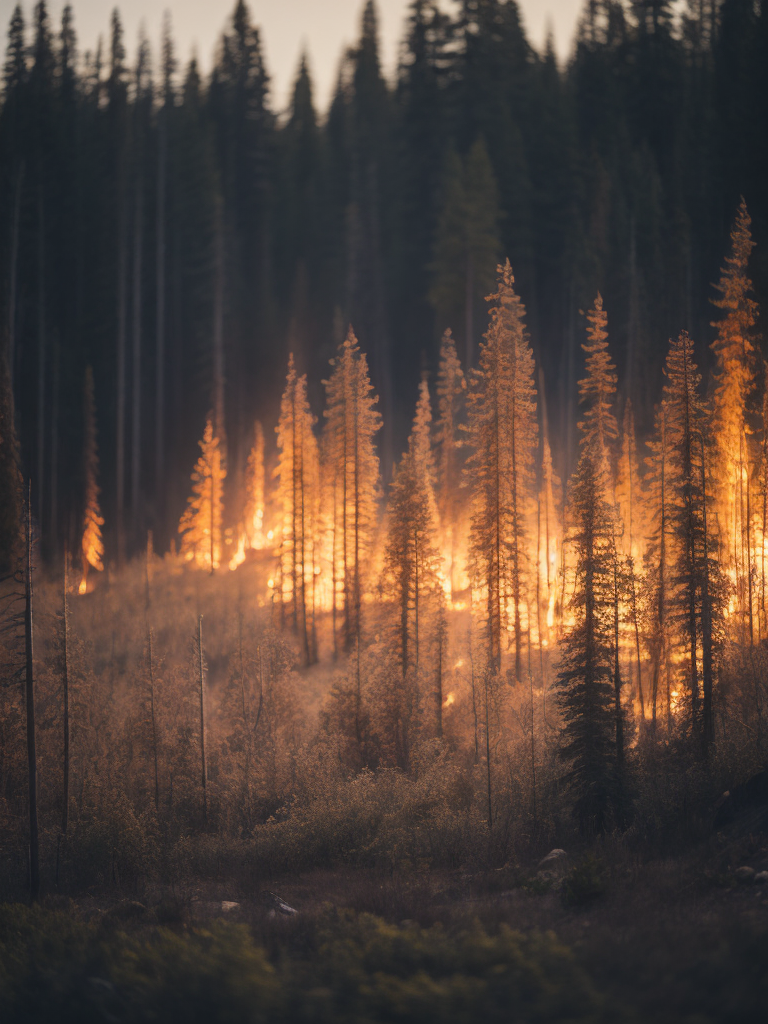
{"x": 324, "y": 27}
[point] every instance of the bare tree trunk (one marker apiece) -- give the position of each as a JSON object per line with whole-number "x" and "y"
{"x": 65, "y": 673}
{"x": 160, "y": 323}
{"x": 54, "y": 498}
{"x": 41, "y": 352}
{"x": 122, "y": 309}
{"x": 154, "y": 721}
{"x": 14, "y": 273}
{"x": 138, "y": 247}
{"x": 469, "y": 296}
{"x": 488, "y": 748}
{"x": 218, "y": 329}
{"x": 706, "y": 619}
{"x": 203, "y": 763}
{"x": 34, "y": 843}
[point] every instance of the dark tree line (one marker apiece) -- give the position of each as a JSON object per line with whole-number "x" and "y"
{"x": 171, "y": 231}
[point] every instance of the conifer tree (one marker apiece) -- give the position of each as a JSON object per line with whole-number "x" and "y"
{"x": 694, "y": 587}
{"x": 298, "y": 473}
{"x": 503, "y": 433}
{"x": 656, "y": 582}
{"x": 201, "y": 523}
{"x": 597, "y": 389}
{"x": 451, "y": 388}
{"x": 254, "y": 491}
{"x": 734, "y": 385}
{"x": 584, "y": 681}
{"x": 466, "y": 241}
{"x": 549, "y": 539}
{"x": 92, "y": 546}
{"x": 412, "y": 555}
{"x": 629, "y": 502}
{"x": 353, "y": 469}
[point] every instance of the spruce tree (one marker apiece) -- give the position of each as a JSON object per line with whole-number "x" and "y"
{"x": 629, "y": 501}
{"x": 201, "y": 524}
{"x": 584, "y": 680}
{"x": 353, "y": 467}
{"x": 298, "y": 474}
{"x": 503, "y": 433}
{"x": 466, "y": 244}
{"x": 734, "y": 386}
{"x": 451, "y": 389}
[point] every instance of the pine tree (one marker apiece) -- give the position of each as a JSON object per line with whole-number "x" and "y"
{"x": 629, "y": 502}
{"x": 299, "y": 481}
{"x": 658, "y": 557}
{"x": 352, "y": 465}
{"x": 200, "y": 525}
{"x": 694, "y": 586}
{"x": 466, "y": 242}
{"x": 549, "y": 539}
{"x": 451, "y": 389}
{"x": 254, "y": 492}
{"x": 92, "y": 546}
{"x": 584, "y": 681}
{"x": 597, "y": 389}
{"x": 503, "y": 433}
{"x": 412, "y": 555}
{"x": 734, "y": 385}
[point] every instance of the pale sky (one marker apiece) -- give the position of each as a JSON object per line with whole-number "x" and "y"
{"x": 323, "y": 27}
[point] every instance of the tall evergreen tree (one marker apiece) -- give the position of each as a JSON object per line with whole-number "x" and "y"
{"x": 298, "y": 473}
{"x": 503, "y": 433}
{"x": 201, "y": 524}
{"x": 466, "y": 243}
{"x": 734, "y": 385}
{"x": 352, "y": 422}
{"x": 451, "y": 389}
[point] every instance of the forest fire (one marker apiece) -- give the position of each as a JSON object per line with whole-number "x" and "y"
{"x": 383, "y": 518}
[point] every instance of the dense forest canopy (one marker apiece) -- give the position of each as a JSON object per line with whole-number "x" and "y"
{"x": 171, "y": 231}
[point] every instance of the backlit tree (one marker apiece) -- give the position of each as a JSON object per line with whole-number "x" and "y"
{"x": 298, "y": 476}
{"x": 201, "y": 524}
{"x": 352, "y": 466}
{"x": 254, "y": 491}
{"x": 503, "y": 434}
{"x": 734, "y": 385}
{"x": 451, "y": 390}
{"x": 92, "y": 546}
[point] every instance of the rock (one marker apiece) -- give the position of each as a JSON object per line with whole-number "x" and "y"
{"x": 554, "y": 863}
{"x": 744, "y": 874}
{"x": 277, "y": 905}
{"x": 762, "y": 877}
{"x": 228, "y": 905}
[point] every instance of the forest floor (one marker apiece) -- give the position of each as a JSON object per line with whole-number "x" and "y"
{"x": 676, "y": 939}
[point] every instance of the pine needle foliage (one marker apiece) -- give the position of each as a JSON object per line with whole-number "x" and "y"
{"x": 451, "y": 392}
{"x": 584, "y": 680}
{"x": 299, "y": 480}
{"x": 352, "y": 465}
{"x": 503, "y": 436}
{"x": 201, "y": 524}
{"x": 597, "y": 389}
{"x": 735, "y": 378}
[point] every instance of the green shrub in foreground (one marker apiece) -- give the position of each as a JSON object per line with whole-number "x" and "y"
{"x": 58, "y": 968}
